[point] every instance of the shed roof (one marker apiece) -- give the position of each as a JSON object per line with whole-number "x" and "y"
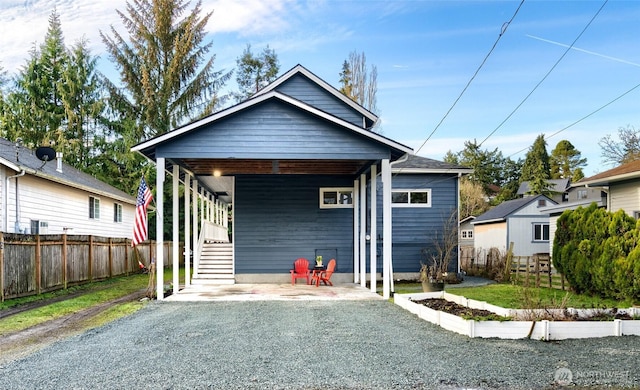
{"x": 418, "y": 164}
{"x": 505, "y": 209}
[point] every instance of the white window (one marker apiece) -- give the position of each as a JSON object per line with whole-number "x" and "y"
{"x": 411, "y": 198}
{"x": 467, "y": 234}
{"x": 331, "y": 198}
{"x": 117, "y": 212}
{"x": 540, "y": 232}
{"x": 94, "y": 208}
{"x": 582, "y": 194}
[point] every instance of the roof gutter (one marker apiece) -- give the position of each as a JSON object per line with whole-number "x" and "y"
{"x": 5, "y": 197}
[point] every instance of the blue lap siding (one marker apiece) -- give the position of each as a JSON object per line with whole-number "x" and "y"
{"x": 278, "y": 219}
{"x": 414, "y": 227}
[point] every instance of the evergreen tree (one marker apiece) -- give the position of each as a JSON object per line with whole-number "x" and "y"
{"x": 255, "y": 71}
{"x": 165, "y": 70}
{"x": 81, "y": 91}
{"x": 536, "y": 163}
{"x": 565, "y": 161}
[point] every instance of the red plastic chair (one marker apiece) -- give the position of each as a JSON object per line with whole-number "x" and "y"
{"x": 300, "y": 270}
{"x": 324, "y": 276}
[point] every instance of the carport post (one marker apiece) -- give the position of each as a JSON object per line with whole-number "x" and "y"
{"x": 176, "y": 230}
{"x": 187, "y": 230}
{"x": 373, "y": 241}
{"x": 159, "y": 228}
{"x": 386, "y": 228}
{"x": 356, "y": 232}
{"x": 363, "y": 230}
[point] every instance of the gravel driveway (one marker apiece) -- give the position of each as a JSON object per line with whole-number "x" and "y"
{"x": 366, "y": 344}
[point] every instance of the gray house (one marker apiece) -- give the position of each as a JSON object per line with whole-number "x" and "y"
{"x": 519, "y": 221}
{"x": 300, "y": 168}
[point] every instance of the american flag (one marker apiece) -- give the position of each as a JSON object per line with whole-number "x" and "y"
{"x": 140, "y": 222}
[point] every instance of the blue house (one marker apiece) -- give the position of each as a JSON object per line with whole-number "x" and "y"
{"x": 298, "y": 168}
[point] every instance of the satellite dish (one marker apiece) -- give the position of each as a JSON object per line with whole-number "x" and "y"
{"x": 45, "y": 153}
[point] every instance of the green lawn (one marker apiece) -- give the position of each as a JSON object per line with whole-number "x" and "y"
{"x": 513, "y": 296}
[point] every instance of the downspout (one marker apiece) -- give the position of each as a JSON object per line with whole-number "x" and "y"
{"x": 6, "y": 203}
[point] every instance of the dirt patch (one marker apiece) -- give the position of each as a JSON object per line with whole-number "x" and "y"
{"x": 441, "y": 304}
{"x": 21, "y": 343}
{"x": 456, "y": 309}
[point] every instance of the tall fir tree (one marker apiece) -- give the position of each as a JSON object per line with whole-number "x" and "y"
{"x": 255, "y": 71}
{"x": 166, "y": 74}
{"x": 566, "y": 162}
{"x": 536, "y": 163}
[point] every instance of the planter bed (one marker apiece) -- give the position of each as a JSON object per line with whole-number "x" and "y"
{"x": 511, "y": 327}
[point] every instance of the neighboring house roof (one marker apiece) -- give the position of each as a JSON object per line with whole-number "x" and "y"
{"x": 623, "y": 172}
{"x": 555, "y": 185}
{"x": 559, "y": 208}
{"x": 418, "y": 164}
{"x": 505, "y": 209}
{"x": 468, "y": 219}
{"x": 20, "y": 158}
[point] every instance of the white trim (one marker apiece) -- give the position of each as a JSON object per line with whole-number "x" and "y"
{"x": 338, "y": 191}
{"x": 409, "y": 191}
{"x": 363, "y": 230}
{"x": 386, "y": 228}
{"x": 159, "y": 229}
{"x": 176, "y": 228}
{"x": 259, "y": 99}
{"x": 93, "y": 208}
{"x": 187, "y": 229}
{"x": 326, "y": 86}
{"x": 356, "y": 231}
{"x": 373, "y": 240}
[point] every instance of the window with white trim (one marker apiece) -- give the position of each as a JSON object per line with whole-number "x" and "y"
{"x": 582, "y": 194}
{"x": 411, "y": 198}
{"x": 117, "y": 212}
{"x": 336, "y": 198}
{"x": 540, "y": 232}
{"x": 94, "y": 208}
{"x": 467, "y": 234}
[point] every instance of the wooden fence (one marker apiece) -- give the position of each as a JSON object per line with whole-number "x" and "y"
{"x": 33, "y": 264}
{"x": 536, "y": 270}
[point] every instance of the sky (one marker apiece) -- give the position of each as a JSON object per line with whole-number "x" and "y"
{"x": 498, "y": 72}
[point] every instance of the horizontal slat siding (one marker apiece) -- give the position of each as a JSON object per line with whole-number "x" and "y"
{"x": 277, "y": 219}
{"x": 413, "y": 227}
{"x": 520, "y": 232}
{"x": 273, "y": 130}
{"x": 303, "y": 89}
{"x": 65, "y": 207}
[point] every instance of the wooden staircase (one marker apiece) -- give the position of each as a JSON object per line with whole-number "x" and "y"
{"x": 215, "y": 265}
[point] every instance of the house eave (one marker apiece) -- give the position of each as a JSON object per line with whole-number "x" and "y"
{"x": 147, "y": 145}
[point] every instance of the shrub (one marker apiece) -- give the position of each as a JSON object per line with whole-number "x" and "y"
{"x": 598, "y": 253}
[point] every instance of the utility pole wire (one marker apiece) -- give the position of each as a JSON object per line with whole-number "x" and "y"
{"x": 502, "y": 31}
{"x": 546, "y": 75}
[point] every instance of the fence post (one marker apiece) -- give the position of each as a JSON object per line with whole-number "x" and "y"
{"x": 507, "y": 269}
{"x": 38, "y": 266}
{"x": 126, "y": 256}
{"x": 2, "y": 267}
{"x": 65, "y": 277}
{"x": 537, "y": 270}
{"x": 90, "y": 258}
{"x": 527, "y": 273}
{"x": 110, "y": 257}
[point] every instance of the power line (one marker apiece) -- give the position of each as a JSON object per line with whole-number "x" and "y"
{"x": 586, "y": 116}
{"x": 502, "y": 31}
{"x": 546, "y": 75}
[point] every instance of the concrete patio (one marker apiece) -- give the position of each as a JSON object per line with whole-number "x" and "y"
{"x": 271, "y": 292}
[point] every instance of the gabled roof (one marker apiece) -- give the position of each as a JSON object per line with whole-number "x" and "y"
{"x": 146, "y": 147}
{"x": 299, "y": 69}
{"x": 558, "y": 186}
{"x": 19, "y": 158}
{"x": 418, "y": 164}
{"x": 623, "y": 172}
{"x": 505, "y": 209}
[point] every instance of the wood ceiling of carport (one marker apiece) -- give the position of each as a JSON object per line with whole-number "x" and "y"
{"x": 227, "y": 167}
